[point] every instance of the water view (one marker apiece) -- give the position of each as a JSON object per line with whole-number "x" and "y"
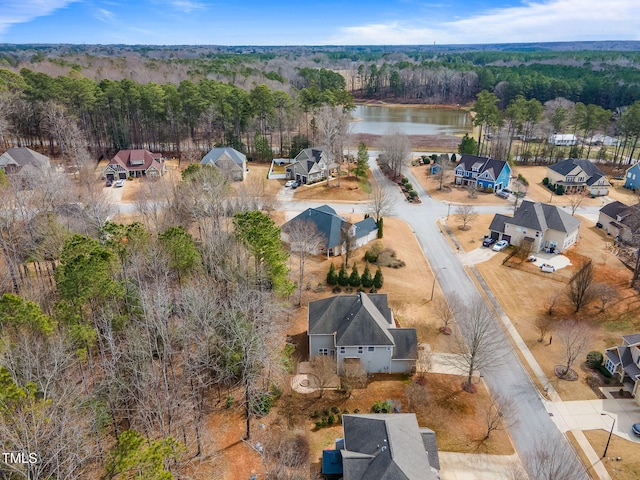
{"x": 378, "y": 120}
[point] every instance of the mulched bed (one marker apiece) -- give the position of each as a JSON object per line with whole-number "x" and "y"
{"x": 570, "y": 376}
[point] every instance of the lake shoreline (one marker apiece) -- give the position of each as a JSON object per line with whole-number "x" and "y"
{"x": 382, "y": 103}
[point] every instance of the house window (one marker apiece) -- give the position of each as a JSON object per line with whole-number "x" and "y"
{"x": 360, "y": 349}
{"x": 537, "y": 234}
{"x": 371, "y": 349}
{"x": 343, "y": 350}
{"x": 323, "y": 351}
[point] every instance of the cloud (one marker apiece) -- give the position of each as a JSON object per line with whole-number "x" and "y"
{"x": 23, "y": 11}
{"x": 188, "y": 6}
{"x": 104, "y": 15}
{"x": 546, "y": 21}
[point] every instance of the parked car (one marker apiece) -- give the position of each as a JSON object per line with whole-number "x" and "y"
{"x": 295, "y": 185}
{"x": 502, "y": 194}
{"x": 545, "y": 267}
{"x": 289, "y": 183}
{"x": 501, "y": 245}
{"x": 120, "y": 183}
{"x": 488, "y": 241}
{"x": 109, "y": 183}
{"x": 598, "y": 225}
{"x": 531, "y": 258}
{"x": 506, "y": 190}
{"x": 636, "y": 429}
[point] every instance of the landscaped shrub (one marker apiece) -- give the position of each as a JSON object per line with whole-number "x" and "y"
{"x": 382, "y": 407}
{"x": 331, "y": 420}
{"x": 343, "y": 278}
{"x": 594, "y": 359}
{"x": 335, "y": 409}
{"x": 545, "y": 181}
{"x": 560, "y": 190}
{"x": 412, "y": 194}
{"x": 365, "y": 278}
{"x": 378, "y": 279}
{"x": 379, "y": 223}
{"x": 404, "y": 180}
{"x": 354, "y": 278}
{"x": 332, "y": 277}
{"x": 408, "y": 186}
{"x": 603, "y": 370}
{"x": 373, "y": 253}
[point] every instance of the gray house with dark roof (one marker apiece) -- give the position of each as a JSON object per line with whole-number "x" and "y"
{"x": 540, "y": 225}
{"x": 620, "y": 220}
{"x": 579, "y": 175}
{"x": 309, "y": 166}
{"x": 360, "y": 329}
{"x": 230, "y": 162}
{"x": 383, "y": 446}
{"x": 334, "y": 229}
{"x": 624, "y": 362}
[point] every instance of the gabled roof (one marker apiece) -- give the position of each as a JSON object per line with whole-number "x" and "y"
{"x": 365, "y": 227}
{"x": 384, "y": 446}
{"x": 328, "y": 223}
{"x": 225, "y": 158}
{"x": 482, "y": 165}
{"x": 355, "y": 319}
{"x": 566, "y": 166}
{"x": 497, "y": 224}
{"x": 24, "y": 157}
{"x": 137, "y": 160}
{"x": 405, "y": 341}
{"x": 614, "y": 209}
{"x": 542, "y": 216}
{"x": 632, "y": 339}
{"x": 308, "y": 158}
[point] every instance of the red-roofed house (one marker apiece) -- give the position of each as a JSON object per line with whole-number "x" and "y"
{"x": 134, "y": 163}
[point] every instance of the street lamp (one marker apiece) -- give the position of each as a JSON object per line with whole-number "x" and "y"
{"x": 610, "y": 433}
{"x": 433, "y": 287}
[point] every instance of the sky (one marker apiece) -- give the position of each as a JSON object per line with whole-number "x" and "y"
{"x": 327, "y": 22}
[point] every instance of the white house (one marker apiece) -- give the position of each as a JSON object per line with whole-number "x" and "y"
{"x": 563, "y": 140}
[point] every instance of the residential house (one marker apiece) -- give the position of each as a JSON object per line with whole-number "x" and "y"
{"x": 134, "y": 163}
{"x": 229, "y": 161}
{"x": 632, "y": 177}
{"x": 578, "y": 175}
{"x": 338, "y": 234}
{"x": 620, "y": 220}
{"x": 309, "y": 166}
{"x": 542, "y": 226}
{"x": 563, "y": 140}
{"x": 624, "y": 362}
{"x": 485, "y": 173}
{"x": 23, "y": 160}
{"x": 600, "y": 139}
{"x": 383, "y": 446}
{"x": 360, "y": 330}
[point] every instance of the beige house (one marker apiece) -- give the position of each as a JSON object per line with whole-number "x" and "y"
{"x": 542, "y": 226}
{"x": 620, "y": 220}
{"x": 578, "y": 175}
{"x": 134, "y": 163}
{"x": 309, "y": 166}
{"x": 23, "y": 160}
{"x": 231, "y": 163}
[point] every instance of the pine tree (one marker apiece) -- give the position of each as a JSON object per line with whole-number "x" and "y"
{"x": 378, "y": 279}
{"x": 354, "y": 278}
{"x": 365, "y": 278}
{"x": 343, "y": 278}
{"x": 332, "y": 278}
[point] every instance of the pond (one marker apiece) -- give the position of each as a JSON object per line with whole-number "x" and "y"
{"x": 410, "y": 120}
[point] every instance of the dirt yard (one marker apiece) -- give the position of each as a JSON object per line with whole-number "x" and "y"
{"x": 525, "y": 296}
{"x": 628, "y": 467}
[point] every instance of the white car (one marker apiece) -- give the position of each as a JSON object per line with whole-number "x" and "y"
{"x": 500, "y": 245}
{"x": 120, "y": 183}
{"x": 545, "y": 267}
{"x": 290, "y": 183}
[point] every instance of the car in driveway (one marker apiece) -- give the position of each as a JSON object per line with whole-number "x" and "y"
{"x": 119, "y": 183}
{"x": 545, "y": 267}
{"x": 295, "y": 185}
{"x": 501, "y": 245}
{"x": 290, "y": 183}
{"x": 636, "y": 429}
{"x": 488, "y": 241}
{"x": 502, "y": 194}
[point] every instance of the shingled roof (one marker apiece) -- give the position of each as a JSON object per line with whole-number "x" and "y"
{"x": 328, "y": 223}
{"x": 542, "y": 216}
{"x": 226, "y": 158}
{"x": 385, "y": 446}
{"x": 24, "y": 157}
{"x": 566, "y": 166}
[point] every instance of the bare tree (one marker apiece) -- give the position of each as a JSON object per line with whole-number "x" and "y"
{"x": 542, "y": 326}
{"x": 395, "y": 148}
{"x": 605, "y": 293}
{"x": 479, "y": 343}
{"x": 380, "y": 202}
{"x": 574, "y": 337}
{"x": 304, "y": 240}
{"x": 466, "y": 214}
{"x": 551, "y": 303}
{"x": 579, "y": 292}
{"x": 575, "y": 200}
{"x": 498, "y": 414}
{"x": 333, "y": 125}
{"x": 444, "y": 170}
{"x": 446, "y": 309}
{"x": 552, "y": 458}
{"x": 324, "y": 372}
